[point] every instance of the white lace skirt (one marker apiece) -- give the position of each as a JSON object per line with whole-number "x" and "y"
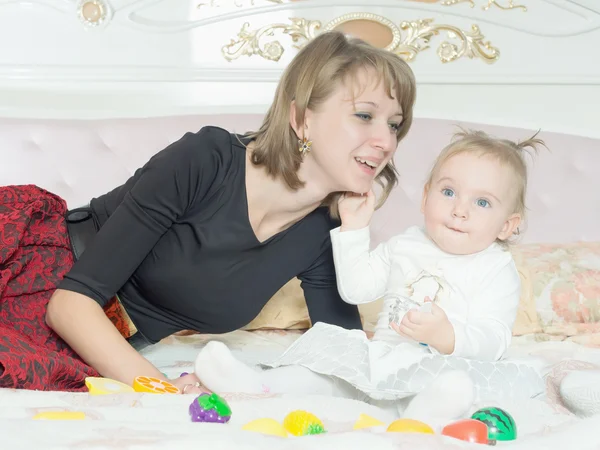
{"x": 389, "y": 372}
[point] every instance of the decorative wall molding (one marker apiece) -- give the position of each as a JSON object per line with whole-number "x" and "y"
{"x": 408, "y": 40}
{"x": 250, "y": 43}
{"x": 508, "y": 6}
{"x": 235, "y": 3}
{"x": 552, "y": 18}
{"x": 94, "y": 13}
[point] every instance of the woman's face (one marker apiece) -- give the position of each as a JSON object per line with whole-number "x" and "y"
{"x": 353, "y": 135}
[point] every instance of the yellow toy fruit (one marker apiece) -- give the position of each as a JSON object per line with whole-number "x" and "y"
{"x": 60, "y": 415}
{"x": 153, "y": 385}
{"x": 302, "y": 423}
{"x": 409, "y": 426}
{"x": 266, "y": 426}
{"x": 105, "y": 386}
{"x": 365, "y": 421}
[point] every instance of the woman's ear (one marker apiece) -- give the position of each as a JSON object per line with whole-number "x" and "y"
{"x": 294, "y": 118}
{"x": 299, "y": 122}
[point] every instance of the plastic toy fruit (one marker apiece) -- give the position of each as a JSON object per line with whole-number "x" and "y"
{"x": 409, "y": 426}
{"x": 153, "y": 386}
{"x": 501, "y": 425}
{"x": 365, "y": 421}
{"x": 302, "y": 423}
{"x": 266, "y": 426}
{"x": 106, "y": 386}
{"x": 60, "y": 415}
{"x": 210, "y": 408}
{"x": 469, "y": 430}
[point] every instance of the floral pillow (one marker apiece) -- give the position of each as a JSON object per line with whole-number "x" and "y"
{"x": 564, "y": 283}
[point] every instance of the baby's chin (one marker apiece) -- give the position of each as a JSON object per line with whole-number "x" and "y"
{"x": 453, "y": 247}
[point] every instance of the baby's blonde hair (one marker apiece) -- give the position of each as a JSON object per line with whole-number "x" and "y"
{"x": 506, "y": 152}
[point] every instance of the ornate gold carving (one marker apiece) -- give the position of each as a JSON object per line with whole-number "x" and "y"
{"x": 250, "y": 43}
{"x": 490, "y": 3}
{"x": 410, "y": 39}
{"x": 456, "y": 2}
{"x": 510, "y": 5}
{"x": 471, "y": 44}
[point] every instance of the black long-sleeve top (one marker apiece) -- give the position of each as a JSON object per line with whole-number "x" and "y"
{"x": 177, "y": 247}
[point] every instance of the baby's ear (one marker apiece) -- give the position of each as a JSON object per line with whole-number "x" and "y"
{"x": 510, "y": 226}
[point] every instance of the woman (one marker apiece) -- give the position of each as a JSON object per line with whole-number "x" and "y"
{"x": 209, "y": 229}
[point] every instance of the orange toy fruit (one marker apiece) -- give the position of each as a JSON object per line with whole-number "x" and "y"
{"x": 153, "y": 385}
{"x": 409, "y": 426}
{"x": 302, "y": 423}
{"x": 469, "y": 430}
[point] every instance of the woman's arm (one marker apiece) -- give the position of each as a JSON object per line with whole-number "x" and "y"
{"x": 158, "y": 195}
{"x": 82, "y": 323}
{"x": 321, "y": 292}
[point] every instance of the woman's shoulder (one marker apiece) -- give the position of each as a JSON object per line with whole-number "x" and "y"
{"x": 207, "y": 141}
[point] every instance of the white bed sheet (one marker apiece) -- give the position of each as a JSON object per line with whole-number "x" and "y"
{"x": 149, "y": 421}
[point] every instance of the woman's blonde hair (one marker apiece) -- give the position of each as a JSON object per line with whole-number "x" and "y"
{"x": 506, "y": 152}
{"x": 309, "y": 80}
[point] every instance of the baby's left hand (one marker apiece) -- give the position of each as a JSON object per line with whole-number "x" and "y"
{"x": 431, "y": 328}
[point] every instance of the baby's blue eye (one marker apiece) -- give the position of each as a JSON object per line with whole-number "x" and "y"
{"x": 483, "y": 203}
{"x": 448, "y": 192}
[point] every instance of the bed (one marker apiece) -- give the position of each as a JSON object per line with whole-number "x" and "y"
{"x": 90, "y": 89}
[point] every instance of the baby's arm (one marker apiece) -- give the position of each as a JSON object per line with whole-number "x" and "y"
{"x": 487, "y": 331}
{"x": 362, "y": 275}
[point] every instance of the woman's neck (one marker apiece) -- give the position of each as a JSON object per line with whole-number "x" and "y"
{"x": 272, "y": 205}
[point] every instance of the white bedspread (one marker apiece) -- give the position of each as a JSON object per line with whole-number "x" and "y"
{"x": 149, "y": 421}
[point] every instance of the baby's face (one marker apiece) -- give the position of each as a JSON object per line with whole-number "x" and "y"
{"x": 470, "y": 204}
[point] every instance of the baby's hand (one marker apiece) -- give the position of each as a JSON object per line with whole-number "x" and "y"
{"x": 431, "y": 328}
{"x": 356, "y": 210}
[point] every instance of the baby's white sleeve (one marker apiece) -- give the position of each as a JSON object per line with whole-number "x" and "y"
{"x": 362, "y": 275}
{"x": 487, "y": 332}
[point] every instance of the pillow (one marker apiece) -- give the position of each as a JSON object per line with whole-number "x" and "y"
{"x": 286, "y": 310}
{"x": 565, "y": 288}
{"x": 527, "y": 321}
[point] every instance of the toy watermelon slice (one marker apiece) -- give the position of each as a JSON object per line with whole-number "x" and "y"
{"x": 501, "y": 425}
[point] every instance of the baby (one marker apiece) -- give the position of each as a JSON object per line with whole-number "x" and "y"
{"x": 450, "y": 287}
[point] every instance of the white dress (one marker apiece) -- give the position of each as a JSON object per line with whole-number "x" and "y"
{"x": 479, "y": 293}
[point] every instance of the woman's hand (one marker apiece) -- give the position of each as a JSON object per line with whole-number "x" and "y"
{"x": 189, "y": 384}
{"x": 356, "y": 210}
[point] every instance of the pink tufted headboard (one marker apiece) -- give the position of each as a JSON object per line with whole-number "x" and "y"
{"x": 81, "y": 159}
